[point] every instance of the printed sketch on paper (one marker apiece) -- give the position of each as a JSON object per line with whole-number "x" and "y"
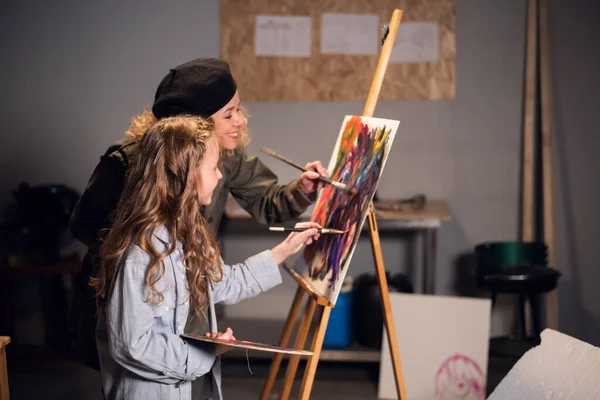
{"x": 359, "y": 156}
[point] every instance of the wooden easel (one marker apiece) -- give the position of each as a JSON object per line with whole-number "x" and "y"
{"x": 314, "y": 299}
{"x": 537, "y": 18}
{"x": 528, "y": 159}
{"x": 4, "y": 392}
{"x": 547, "y": 128}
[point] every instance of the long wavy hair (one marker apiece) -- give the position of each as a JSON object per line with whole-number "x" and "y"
{"x": 161, "y": 190}
{"x": 140, "y": 123}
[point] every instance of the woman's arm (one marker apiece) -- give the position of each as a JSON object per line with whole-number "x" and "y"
{"x": 134, "y": 344}
{"x": 256, "y": 189}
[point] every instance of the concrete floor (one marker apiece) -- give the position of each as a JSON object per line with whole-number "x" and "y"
{"x": 36, "y": 373}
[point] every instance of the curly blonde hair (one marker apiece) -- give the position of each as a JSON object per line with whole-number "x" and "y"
{"x": 140, "y": 123}
{"x": 161, "y": 190}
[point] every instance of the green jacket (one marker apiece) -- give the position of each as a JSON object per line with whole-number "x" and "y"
{"x": 250, "y": 182}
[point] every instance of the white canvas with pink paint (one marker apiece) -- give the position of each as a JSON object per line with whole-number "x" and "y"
{"x": 443, "y": 343}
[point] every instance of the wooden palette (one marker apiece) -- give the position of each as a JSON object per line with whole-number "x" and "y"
{"x": 244, "y": 344}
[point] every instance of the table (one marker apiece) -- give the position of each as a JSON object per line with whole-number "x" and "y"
{"x": 69, "y": 264}
{"x": 426, "y": 221}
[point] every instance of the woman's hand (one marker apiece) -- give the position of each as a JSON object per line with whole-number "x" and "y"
{"x": 308, "y": 182}
{"x": 294, "y": 242}
{"x": 228, "y": 335}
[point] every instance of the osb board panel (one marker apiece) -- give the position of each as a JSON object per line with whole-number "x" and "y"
{"x": 329, "y": 76}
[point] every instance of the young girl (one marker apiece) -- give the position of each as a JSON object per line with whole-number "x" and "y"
{"x": 161, "y": 270}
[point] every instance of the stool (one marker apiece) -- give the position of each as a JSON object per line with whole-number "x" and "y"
{"x": 527, "y": 281}
{"x": 516, "y": 268}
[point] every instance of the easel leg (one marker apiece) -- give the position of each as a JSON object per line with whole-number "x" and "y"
{"x": 6, "y": 314}
{"x": 429, "y": 260}
{"x": 317, "y": 345}
{"x": 285, "y": 337}
{"x": 387, "y": 307}
{"x": 4, "y": 392}
{"x": 288, "y": 381}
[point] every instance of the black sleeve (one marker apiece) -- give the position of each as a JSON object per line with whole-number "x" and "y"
{"x": 95, "y": 207}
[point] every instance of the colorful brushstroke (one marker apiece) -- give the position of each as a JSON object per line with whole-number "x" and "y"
{"x": 460, "y": 377}
{"x": 361, "y": 152}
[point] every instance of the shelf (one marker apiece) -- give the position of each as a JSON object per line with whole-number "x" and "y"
{"x": 269, "y": 331}
{"x": 70, "y": 264}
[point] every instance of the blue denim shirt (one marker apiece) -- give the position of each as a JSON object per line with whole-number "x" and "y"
{"x": 142, "y": 354}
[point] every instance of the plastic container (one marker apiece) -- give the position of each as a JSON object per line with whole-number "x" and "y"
{"x": 339, "y": 329}
{"x": 368, "y": 309}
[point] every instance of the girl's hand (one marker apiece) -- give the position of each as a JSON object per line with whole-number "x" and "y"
{"x": 294, "y": 242}
{"x": 308, "y": 182}
{"x": 228, "y": 335}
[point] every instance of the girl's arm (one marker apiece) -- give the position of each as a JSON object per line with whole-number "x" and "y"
{"x": 245, "y": 280}
{"x": 260, "y": 273}
{"x": 134, "y": 344}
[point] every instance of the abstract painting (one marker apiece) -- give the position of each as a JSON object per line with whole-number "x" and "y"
{"x": 358, "y": 159}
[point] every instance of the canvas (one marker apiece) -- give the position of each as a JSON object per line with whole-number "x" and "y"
{"x": 358, "y": 159}
{"x": 443, "y": 342}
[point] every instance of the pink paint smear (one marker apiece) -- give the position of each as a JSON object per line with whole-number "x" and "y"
{"x": 460, "y": 377}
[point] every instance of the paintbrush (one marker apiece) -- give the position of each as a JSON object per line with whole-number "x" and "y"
{"x": 320, "y": 230}
{"x": 338, "y": 185}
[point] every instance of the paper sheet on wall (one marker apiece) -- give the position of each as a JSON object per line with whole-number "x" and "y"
{"x": 356, "y": 34}
{"x": 416, "y": 42}
{"x": 282, "y": 36}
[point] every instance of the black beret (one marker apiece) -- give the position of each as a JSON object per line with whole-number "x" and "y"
{"x": 198, "y": 87}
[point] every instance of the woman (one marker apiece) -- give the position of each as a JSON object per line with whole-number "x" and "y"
{"x": 203, "y": 87}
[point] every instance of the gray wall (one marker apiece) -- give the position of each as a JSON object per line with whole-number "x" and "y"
{"x": 74, "y": 73}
